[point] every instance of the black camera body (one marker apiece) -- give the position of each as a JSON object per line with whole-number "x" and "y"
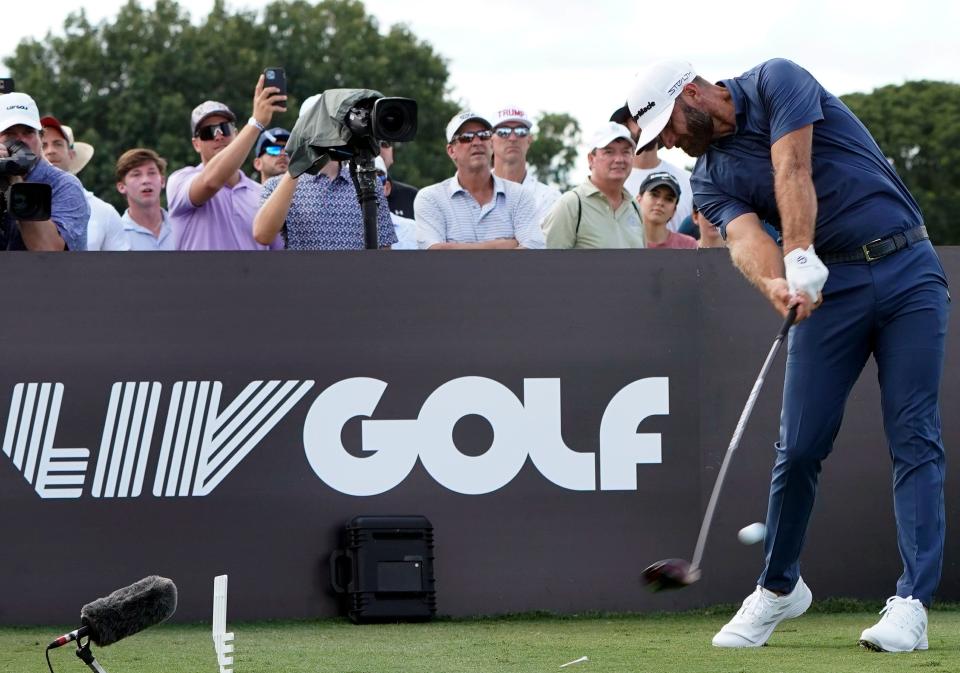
{"x": 393, "y": 119}
{"x": 25, "y": 200}
{"x": 20, "y": 161}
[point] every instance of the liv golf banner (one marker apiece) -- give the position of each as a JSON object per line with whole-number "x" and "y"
{"x": 559, "y": 417}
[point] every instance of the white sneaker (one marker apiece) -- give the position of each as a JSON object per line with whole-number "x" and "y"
{"x": 759, "y": 615}
{"x": 903, "y": 627}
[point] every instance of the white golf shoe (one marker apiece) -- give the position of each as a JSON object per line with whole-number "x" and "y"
{"x": 903, "y": 627}
{"x": 759, "y": 615}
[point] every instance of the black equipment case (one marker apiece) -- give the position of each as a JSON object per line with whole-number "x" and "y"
{"x": 384, "y": 573}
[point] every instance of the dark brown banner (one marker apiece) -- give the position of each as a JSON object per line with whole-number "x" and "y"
{"x": 558, "y": 416}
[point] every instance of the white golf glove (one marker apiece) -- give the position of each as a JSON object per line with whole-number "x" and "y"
{"x": 805, "y": 272}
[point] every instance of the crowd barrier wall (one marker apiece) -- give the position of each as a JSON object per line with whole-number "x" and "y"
{"x": 558, "y": 416}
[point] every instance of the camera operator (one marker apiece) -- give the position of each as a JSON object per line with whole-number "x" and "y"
{"x": 67, "y": 227}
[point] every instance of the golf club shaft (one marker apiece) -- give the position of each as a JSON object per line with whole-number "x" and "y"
{"x": 735, "y": 440}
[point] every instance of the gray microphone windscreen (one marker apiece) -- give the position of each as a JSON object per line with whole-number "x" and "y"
{"x": 130, "y": 610}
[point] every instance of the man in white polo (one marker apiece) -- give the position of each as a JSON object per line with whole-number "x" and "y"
{"x": 512, "y": 137}
{"x": 475, "y": 209}
{"x": 105, "y": 228}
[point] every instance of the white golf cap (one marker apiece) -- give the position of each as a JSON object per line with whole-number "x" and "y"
{"x": 609, "y": 132}
{"x": 462, "y": 118}
{"x": 512, "y": 114}
{"x": 18, "y": 108}
{"x": 653, "y": 95}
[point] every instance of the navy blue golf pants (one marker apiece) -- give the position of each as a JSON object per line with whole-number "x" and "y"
{"x": 896, "y": 309}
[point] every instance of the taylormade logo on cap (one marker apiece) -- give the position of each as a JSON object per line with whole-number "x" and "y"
{"x": 652, "y": 96}
{"x": 649, "y": 106}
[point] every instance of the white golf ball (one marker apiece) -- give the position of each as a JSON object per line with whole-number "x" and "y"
{"x": 752, "y": 534}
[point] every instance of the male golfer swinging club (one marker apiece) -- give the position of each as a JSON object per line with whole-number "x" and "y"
{"x": 774, "y": 145}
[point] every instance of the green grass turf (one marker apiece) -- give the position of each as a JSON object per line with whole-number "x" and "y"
{"x": 823, "y": 640}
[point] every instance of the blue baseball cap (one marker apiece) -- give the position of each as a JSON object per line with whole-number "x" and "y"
{"x": 265, "y": 139}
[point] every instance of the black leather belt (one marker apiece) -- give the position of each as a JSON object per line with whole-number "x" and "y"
{"x": 879, "y": 248}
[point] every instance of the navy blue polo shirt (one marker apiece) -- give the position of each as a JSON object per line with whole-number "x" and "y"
{"x": 859, "y": 196}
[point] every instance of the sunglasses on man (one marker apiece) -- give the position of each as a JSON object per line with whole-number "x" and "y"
{"x": 272, "y": 150}
{"x": 507, "y": 131}
{"x": 210, "y": 132}
{"x": 467, "y": 137}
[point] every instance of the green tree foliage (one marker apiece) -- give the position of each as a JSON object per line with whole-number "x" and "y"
{"x": 917, "y": 125}
{"x": 132, "y": 81}
{"x": 553, "y": 152}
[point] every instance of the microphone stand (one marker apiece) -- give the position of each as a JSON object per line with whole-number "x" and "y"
{"x": 86, "y": 656}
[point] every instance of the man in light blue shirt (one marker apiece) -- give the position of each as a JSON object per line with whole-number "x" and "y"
{"x": 140, "y": 178}
{"x": 475, "y": 209}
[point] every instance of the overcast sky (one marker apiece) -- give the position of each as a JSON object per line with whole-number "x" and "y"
{"x": 579, "y": 57}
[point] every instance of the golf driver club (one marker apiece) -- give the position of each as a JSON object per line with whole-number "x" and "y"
{"x": 677, "y": 573}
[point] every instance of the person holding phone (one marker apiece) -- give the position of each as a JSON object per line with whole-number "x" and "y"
{"x": 212, "y": 205}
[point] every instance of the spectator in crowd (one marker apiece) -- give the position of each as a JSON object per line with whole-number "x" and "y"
{"x": 599, "y": 213}
{"x": 475, "y": 209}
{"x": 104, "y": 229}
{"x": 318, "y": 212}
{"x": 405, "y": 227}
{"x": 212, "y": 205}
{"x": 709, "y": 232}
{"x": 67, "y": 227}
{"x": 270, "y": 156}
{"x": 648, "y": 161}
{"x": 512, "y": 137}
{"x": 140, "y": 178}
{"x": 659, "y": 194}
{"x": 401, "y": 195}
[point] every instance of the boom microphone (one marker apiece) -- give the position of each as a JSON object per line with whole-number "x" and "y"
{"x": 124, "y": 612}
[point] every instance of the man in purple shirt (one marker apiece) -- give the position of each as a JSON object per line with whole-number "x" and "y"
{"x": 212, "y": 205}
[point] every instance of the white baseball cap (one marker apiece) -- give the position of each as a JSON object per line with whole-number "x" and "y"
{"x": 512, "y": 114}
{"x": 18, "y": 108}
{"x": 653, "y": 95}
{"x": 609, "y": 132}
{"x": 462, "y": 118}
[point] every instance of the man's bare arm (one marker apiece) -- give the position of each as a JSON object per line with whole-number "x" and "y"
{"x": 760, "y": 260}
{"x": 273, "y": 212}
{"x": 41, "y": 236}
{"x": 793, "y": 184}
{"x": 221, "y": 168}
